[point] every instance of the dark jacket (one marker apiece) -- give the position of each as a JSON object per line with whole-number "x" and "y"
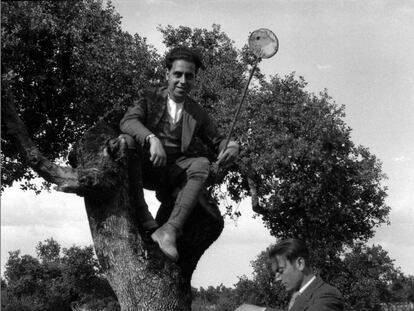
{"x": 319, "y": 296}
{"x": 142, "y": 118}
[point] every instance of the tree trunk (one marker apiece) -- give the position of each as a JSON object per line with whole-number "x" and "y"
{"x": 142, "y": 277}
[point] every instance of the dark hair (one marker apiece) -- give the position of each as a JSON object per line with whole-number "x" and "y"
{"x": 291, "y": 249}
{"x": 184, "y": 53}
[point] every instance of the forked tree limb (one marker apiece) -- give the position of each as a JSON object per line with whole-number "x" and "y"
{"x": 86, "y": 179}
{"x": 66, "y": 178}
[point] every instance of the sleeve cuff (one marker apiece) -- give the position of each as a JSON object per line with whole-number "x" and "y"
{"x": 148, "y": 137}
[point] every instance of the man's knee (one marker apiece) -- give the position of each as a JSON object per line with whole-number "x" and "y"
{"x": 199, "y": 169}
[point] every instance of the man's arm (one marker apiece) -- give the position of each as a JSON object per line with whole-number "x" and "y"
{"x": 133, "y": 121}
{"x": 133, "y": 124}
{"x": 211, "y": 136}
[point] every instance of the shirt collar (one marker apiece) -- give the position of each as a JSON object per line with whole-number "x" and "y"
{"x": 172, "y": 102}
{"x": 307, "y": 284}
{"x": 174, "y": 110}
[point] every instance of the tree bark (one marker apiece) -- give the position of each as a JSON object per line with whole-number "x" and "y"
{"x": 142, "y": 277}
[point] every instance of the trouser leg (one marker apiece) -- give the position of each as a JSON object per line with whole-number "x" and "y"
{"x": 136, "y": 188}
{"x": 166, "y": 235}
{"x": 185, "y": 203}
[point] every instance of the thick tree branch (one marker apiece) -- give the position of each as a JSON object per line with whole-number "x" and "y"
{"x": 65, "y": 178}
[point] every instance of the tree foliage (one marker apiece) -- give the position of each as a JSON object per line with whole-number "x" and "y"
{"x": 66, "y": 63}
{"x": 315, "y": 184}
{"x": 219, "y": 298}
{"x": 368, "y": 279}
{"x": 55, "y": 280}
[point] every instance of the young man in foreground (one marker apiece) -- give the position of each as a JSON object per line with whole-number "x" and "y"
{"x": 291, "y": 265}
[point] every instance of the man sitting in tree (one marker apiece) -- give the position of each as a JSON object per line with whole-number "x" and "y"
{"x": 161, "y": 128}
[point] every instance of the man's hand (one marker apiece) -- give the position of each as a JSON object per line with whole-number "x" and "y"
{"x": 229, "y": 154}
{"x": 158, "y": 157}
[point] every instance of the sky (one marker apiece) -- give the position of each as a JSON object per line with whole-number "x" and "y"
{"x": 360, "y": 51}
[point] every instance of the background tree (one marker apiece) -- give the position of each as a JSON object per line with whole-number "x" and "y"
{"x": 368, "y": 279}
{"x": 408, "y": 285}
{"x": 219, "y": 298}
{"x": 305, "y": 176}
{"x": 315, "y": 184}
{"x": 55, "y": 280}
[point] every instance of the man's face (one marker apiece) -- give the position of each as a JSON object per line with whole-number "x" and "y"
{"x": 181, "y": 79}
{"x": 289, "y": 274}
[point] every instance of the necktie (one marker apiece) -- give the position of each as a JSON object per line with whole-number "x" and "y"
{"x": 293, "y": 299}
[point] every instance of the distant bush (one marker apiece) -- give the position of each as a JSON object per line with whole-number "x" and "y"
{"x": 55, "y": 281}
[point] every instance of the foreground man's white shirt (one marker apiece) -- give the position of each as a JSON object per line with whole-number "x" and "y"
{"x": 306, "y": 285}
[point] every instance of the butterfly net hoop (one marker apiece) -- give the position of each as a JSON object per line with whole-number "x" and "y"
{"x": 263, "y": 43}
